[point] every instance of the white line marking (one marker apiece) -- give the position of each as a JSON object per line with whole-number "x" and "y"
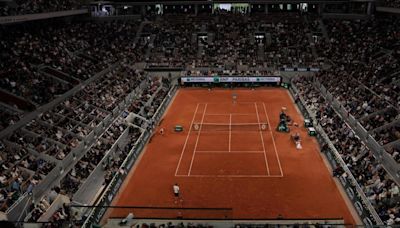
{"x": 230, "y": 131}
{"x": 197, "y": 140}
{"x": 227, "y": 114}
{"x": 187, "y": 138}
{"x": 231, "y": 176}
{"x": 232, "y": 151}
{"x": 273, "y": 140}
{"x": 237, "y": 131}
{"x": 262, "y": 139}
{"x": 235, "y": 124}
{"x": 230, "y": 103}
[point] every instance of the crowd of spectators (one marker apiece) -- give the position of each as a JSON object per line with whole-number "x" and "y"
{"x": 20, "y": 7}
{"x": 100, "y": 104}
{"x": 391, "y": 3}
{"x": 290, "y": 45}
{"x": 20, "y": 172}
{"x": 85, "y": 166}
{"x": 39, "y": 63}
{"x": 374, "y": 121}
{"x": 363, "y": 75}
{"x": 147, "y": 103}
{"x": 232, "y": 43}
{"x": 228, "y": 39}
{"x": 160, "y": 88}
{"x": 173, "y": 43}
{"x": 378, "y": 186}
{"x": 59, "y": 131}
{"x": 387, "y": 135}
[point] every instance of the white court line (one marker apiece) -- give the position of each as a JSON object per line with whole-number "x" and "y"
{"x": 231, "y": 176}
{"x": 197, "y": 140}
{"x": 230, "y": 131}
{"x": 273, "y": 140}
{"x": 232, "y": 151}
{"x": 187, "y": 138}
{"x": 230, "y": 103}
{"x": 236, "y": 124}
{"x": 227, "y": 114}
{"x": 262, "y": 139}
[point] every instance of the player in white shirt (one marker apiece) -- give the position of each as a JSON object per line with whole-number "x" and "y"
{"x": 175, "y": 189}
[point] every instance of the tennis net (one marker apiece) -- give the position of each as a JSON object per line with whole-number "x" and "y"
{"x": 230, "y": 127}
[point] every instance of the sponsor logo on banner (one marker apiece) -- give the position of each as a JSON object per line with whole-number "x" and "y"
{"x": 343, "y": 181}
{"x": 350, "y": 192}
{"x": 359, "y": 208}
{"x": 99, "y": 215}
{"x": 367, "y": 222}
{"x": 231, "y": 79}
{"x": 197, "y": 79}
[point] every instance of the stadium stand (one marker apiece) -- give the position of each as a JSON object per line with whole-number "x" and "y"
{"x": 21, "y": 7}
{"x": 364, "y": 77}
{"x": 57, "y": 58}
{"x": 378, "y": 186}
{"x": 391, "y": 3}
{"x": 170, "y": 48}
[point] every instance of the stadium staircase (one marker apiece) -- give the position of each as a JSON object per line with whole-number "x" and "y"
{"x": 12, "y": 99}
{"x": 323, "y": 29}
{"x": 151, "y": 46}
{"x": 312, "y": 45}
{"x": 261, "y": 52}
{"x": 396, "y": 78}
{"x": 139, "y": 31}
{"x": 10, "y": 108}
{"x": 60, "y": 76}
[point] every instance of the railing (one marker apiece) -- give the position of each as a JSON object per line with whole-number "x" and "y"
{"x": 19, "y": 209}
{"x": 95, "y": 180}
{"x": 52, "y": 177}
{"x": 164, "y": 104}
{"x": 350, "y": 184}
{"x": 388, "y": 163}
{"x": 95, "y": 215}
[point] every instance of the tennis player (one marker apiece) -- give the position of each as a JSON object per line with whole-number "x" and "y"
{"x": 234, "y": 98}
{"x": 176, "y": 190}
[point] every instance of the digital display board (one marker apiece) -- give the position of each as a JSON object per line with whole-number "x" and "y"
{"x": 218, "y": 79}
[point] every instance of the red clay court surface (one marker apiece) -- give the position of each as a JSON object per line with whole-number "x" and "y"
{"x": 230, "y": 156}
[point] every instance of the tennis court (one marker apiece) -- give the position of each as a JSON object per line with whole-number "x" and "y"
{"x": 229, "y": 155}
{"x": 237, "y": 133}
